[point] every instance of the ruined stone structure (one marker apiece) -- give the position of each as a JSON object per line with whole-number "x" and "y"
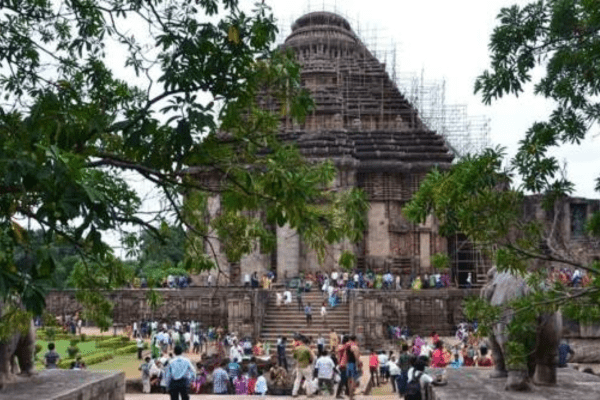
{"x": 252, "y": 312}
{"x": 378, "y": 143}
{"x": 564, "y": 228}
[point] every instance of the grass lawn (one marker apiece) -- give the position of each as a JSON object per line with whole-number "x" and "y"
{"x": 61, "y": 348}
{"x": 127, "y": 363}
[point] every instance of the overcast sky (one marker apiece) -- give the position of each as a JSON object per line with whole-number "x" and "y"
{"x": 449, "y": 40}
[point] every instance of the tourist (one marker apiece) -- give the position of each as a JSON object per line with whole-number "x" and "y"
{"x": 179, "y": 374}
{"x": 254, "y": 280}
{"x": 404, "y": 363}
{"x": 457, "y": 363}
{"x": 261, "y": 385}
{"x": 145, "y": 368}
{"x": 484, "y": 360}
{"x": 253, "y": 368}
{"x": 278, "y": 299}
{"x": 468, "y": 355}
{"x": 247, "y": 346}
{"x": 51, "y": 357}
{"x": 304, "y": 358}
{"x": 394, "y": 370}
{"x": 439, "y": 357}
{"x": 281, "y": 358}
{"x": 418, "y": 380}
{"x": 240, "y": 383}
{"x": 220, "y": 379}
{"x": 434, "y": 338}
{"x": 342, "y": 356}
{"x": 320, "y": 344}
{"x": 299, "y": 297}
{"x": 234, "y": 370}
{"x": 383, "y": 368}
{"x": 352, "y": 372}
{"x": 398, "y": 282}
{"x": 235, "y": 352}
{"x": 196, "y": 342}
{"x": 564, "y": 353}
{"x": 324, "y": 313}
{"x": 209, "y": 279}
{"x": 140, "y": 347}
{"x": 325, "y": 368}
{"x": 308, "y": 313}
{"x": 287, "y": 297}
{"x": 258, "y": 350}
{"x": 373, "y": 364}
{"x": 246, "y": 280}
{"x": 334, "y": 341}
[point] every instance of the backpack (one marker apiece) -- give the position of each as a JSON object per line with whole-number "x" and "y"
{"x": 413, "y": 388}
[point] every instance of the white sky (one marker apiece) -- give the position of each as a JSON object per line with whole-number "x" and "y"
{"x": 449, "y": 40}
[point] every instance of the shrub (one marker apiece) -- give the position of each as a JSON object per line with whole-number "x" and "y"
{"x": 115, "y": 342}
{"x": 38, "y": 348}
{"x": 83, "y": 337}
{"x": 88, "y": 360}
{"x": 126, "y": 350}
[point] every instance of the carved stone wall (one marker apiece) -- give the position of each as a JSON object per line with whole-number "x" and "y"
{"x": 424, "y": 311}
{"x": 230, "y": 307}
{"x": 243, "y": 310}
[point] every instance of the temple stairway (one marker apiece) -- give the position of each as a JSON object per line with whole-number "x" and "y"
{"x": 287, "y": 320}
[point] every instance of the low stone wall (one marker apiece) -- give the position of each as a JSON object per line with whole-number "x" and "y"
{"x": 231, "y": 307}
{"x": 68, "y": 385}
{"x": 372, "y": 311}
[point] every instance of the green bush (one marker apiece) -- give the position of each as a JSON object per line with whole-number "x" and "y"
{"x": 126, "y": 350}
{"x": 72, "y": 351}
{"x": 83, "y": 337}
{"x": 38, "y": 348}
{"x": 114, "y": 343}
{"x": 88, "y": 360}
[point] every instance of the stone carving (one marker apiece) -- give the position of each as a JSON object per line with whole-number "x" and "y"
{"x": 19, "y": 347}
{"x": 502, "y": 288}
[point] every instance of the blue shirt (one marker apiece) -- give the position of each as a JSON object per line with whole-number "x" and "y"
{"x": 234, "y": 369}
{"x": 261, "y": 385}
{"x": 179, "y": 368}
{"x": 220, "y": 380}
{"x": 563, "y": 352}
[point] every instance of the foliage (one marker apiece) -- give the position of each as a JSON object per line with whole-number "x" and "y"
{"x": 72, "y": 351}
{"x": 88, "y": 99}
{"x": 440, "y": 261}
{"x": 477, "y": 196}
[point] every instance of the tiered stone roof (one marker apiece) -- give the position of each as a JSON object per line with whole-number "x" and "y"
{"x": 361, "y": 117}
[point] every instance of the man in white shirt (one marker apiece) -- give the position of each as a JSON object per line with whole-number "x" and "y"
{"x": 383, "y": 367}
{"x": 325, "y": 367}
{"x": 246, "y": 280}
{"x": 209, "y": 279}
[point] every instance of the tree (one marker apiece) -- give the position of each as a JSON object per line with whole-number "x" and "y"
{"x": 478, "y": 197}
{"x": 77, "y": 117}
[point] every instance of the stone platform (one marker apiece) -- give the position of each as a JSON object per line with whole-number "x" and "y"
{"x": 475, "y": 384}
{"x": 68, "y": 385}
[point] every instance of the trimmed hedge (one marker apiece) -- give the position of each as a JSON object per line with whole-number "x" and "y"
{"x": 114, "y": 343}
{"x": 89, "y": 360}
{"x": 126, "y": 350}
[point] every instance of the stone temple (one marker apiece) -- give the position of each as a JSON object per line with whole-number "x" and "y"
{"x": 378, "y": 143}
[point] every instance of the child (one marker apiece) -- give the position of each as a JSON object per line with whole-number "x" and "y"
{"x": 373, "y": 364}
{"x": 261, "y": 385}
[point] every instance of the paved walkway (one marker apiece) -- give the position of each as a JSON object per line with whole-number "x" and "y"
{"x": 239, "y": 397}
